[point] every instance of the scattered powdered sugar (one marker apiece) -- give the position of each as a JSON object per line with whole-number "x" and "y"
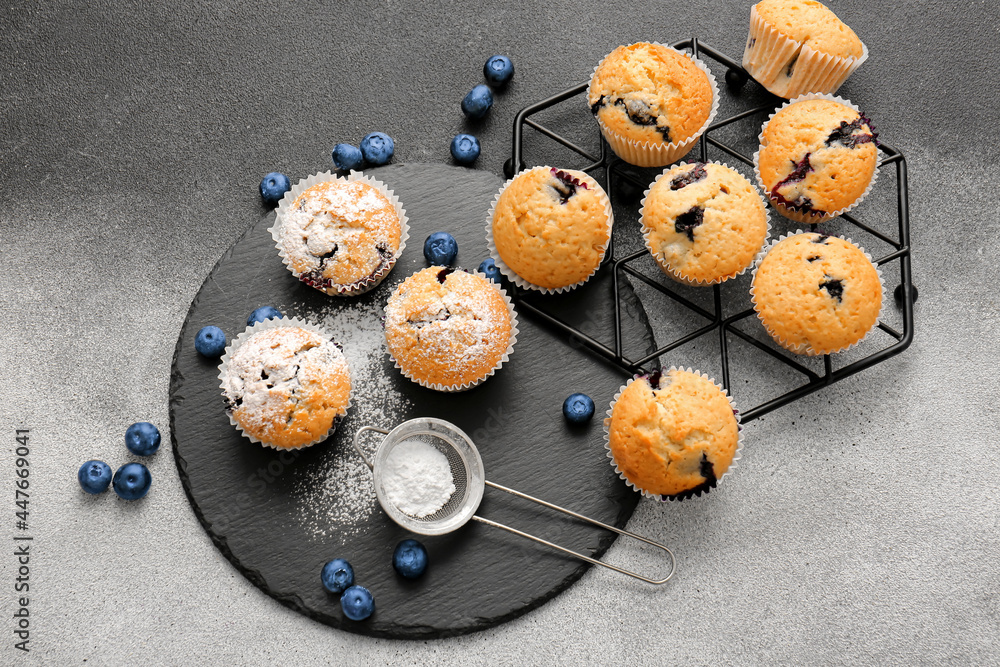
{"x": 417, "y": 478}
{"x": 337, "y": 495}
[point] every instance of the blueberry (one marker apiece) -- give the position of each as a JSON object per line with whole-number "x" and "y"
{"x": 94, "y": 476}
{"x": 377, "y": 148}
{"x": 337, "y": 575}
{"x": 489, "y": 268}
{"x": 498, "y": 70}
{"x": 263, "y": 313}
{"x": 465, "y": 148}
{"x": 440, "y": 249}
{"x": 578, "y": 408}
{"x": 142, "y": 438}
{"x": 132, "y": 481}
{"x": 347, "y": 157}
{"x": 210, "y": 342}
{"x": 477, "y": 102}
{"x": 409, "y": 559}
{"x": 357, "y": 603}
{"x": 273, "y": 187}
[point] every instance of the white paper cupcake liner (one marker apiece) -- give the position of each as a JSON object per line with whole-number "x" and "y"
{"x": 805, "y": 349}
{"x": 772, "y": 52}
{"x": 268, "y": 325}
{"x": 810, "y": 217}
{"x": 465, "y": 386}
{"x": 661, "y": 260}
{"x": 361, "y": 286}
{"x": 512, "y": 275}
{"x": 658, "y": 154}
{"x": 684, "y": 495}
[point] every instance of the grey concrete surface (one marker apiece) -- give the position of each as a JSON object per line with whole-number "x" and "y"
{"x": 860, "y": 528}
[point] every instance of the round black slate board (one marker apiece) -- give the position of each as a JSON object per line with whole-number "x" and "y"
{"x": 252, "y": 500}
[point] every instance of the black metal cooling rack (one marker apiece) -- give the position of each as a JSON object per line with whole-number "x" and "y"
{"x": 618, "y": 174}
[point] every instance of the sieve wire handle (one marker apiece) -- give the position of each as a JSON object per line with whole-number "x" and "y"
{"x": 592, "y": 561}
{"x": 357, "y": 447}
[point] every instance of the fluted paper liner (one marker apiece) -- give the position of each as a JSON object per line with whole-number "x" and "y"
{"x": 805, "y": 349}
{"x": 658, "y": 154}
{"x": 661, "y": 261}
{"x": 268, "y": 325}
{"x": 372, "y": 281}
{"x": 683, "y": 495}
{"x": 810, "y": 217}
{"x": 504, "y": 358}
{"x": 508, "y": 272}
{"x": 814, "y": 71}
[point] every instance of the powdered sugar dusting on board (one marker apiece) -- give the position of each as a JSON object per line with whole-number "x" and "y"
{"x": 337, "y": 496}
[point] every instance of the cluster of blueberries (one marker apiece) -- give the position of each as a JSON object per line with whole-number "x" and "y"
{"x": 132, "y": 480}
{"x": 498, "y": 70}
{"x": 409, "y": 560}
{"x": 377, "y": 148}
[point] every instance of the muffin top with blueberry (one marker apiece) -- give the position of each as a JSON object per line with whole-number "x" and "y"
{"x": 816, "y": 157}
{"x": 816, "y": 294}
{"x": 551, "y": 227}
{"x": 703, "y": 222}
{"x": 650, "y": 93}
{"x": 446, "y": 328}
{"x": 672, "y": 434}
{"x": 339, "y": 234}
{"x": 812, "y": 24}
{"x": 286, "y": 386}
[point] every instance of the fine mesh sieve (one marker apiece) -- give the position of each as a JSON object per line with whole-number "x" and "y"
{"x": 470, "y": 480}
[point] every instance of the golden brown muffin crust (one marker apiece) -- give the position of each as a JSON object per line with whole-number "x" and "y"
{"x": 818, "y": 293}
{"x": 447, "y": 327}
{"x": 812, "y": 24}
{"x": 675, "y": 436}
{"x": 817, "y": 156}
{"x": 650, "y": 93}
{"x": 704, "y": 221}
{"x": 551, "y": 226}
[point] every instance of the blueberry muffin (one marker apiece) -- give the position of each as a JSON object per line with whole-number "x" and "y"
{"x": 448, "y": 329}
{"x": 704, "y": 223}
{"x": 800, "y": 46}
{"x": 818, "y": 156}
{"x": 652, "y": 102}
{"x": 816, "y": 294}
{"x": 340, "y": 235}
{"x": 286, "y": 384}
{"x": 672, "y": 435}
{"x": 549, "y": 228}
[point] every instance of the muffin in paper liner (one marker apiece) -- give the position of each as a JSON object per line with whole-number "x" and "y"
{"x": 705, "y": 487}
{"x": 812, "y": 217}
{"x": 360, "y": 286}
{"x": 512, "y": 275}
{"x": 661, "y": 261}
{"x": 269, "y": 325}
{"x": 658, "y": 154}
{"x": 464, "y": 386}
{"x": 768, "y": 54}
{"x": 805, "y": 348}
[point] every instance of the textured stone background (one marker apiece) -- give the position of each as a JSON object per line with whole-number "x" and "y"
{"x": 861, "y": 526}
